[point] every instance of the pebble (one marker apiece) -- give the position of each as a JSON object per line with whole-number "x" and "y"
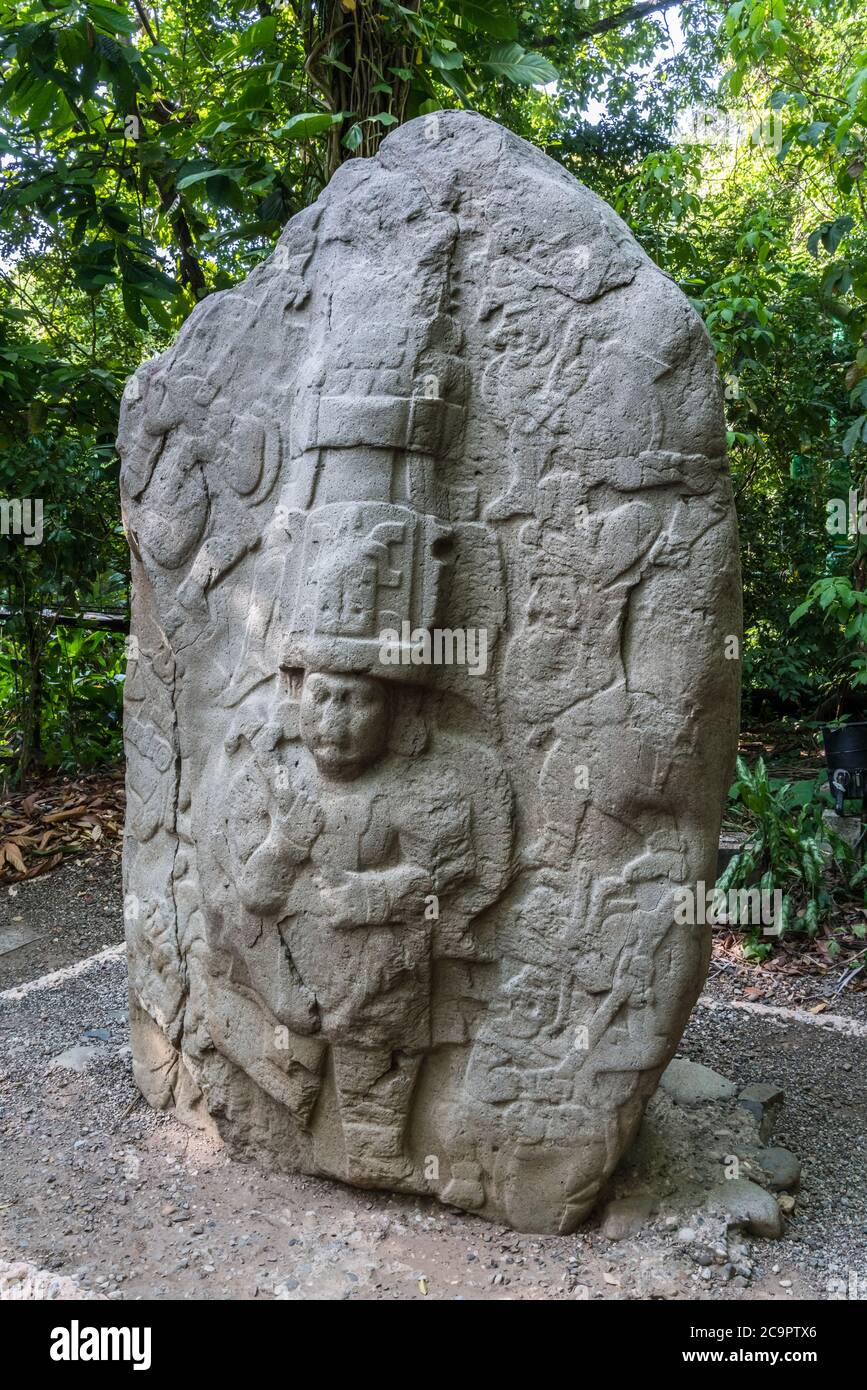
{"x": 781, "y": 1169}
{"x": 747, "y": 1204}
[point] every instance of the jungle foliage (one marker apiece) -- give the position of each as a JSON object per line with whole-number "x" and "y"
{"x": 151, "y": 153}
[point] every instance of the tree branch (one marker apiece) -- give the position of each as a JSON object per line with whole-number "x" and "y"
{"x": 145, "y": 22}
{"x": 614, "y": 21}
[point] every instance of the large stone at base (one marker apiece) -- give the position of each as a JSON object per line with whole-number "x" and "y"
{"x": 691, "y": 1083}
{"x": 432, "y": 695}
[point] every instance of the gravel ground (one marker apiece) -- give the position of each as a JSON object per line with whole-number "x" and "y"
{"x": 71, "y": 913}
{"x": 125, "y": 1203}
{"x": 798, "y": 983}
{"x": 821, "y": 1070}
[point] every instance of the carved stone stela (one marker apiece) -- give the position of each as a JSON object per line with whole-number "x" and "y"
{"x": 428, "y": 710}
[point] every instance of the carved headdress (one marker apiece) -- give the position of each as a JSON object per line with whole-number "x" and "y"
{"x": 366, "y": 532}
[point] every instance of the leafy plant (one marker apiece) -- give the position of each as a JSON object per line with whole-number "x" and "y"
{"x": 789, "y": 849}
{"x": 59, "y": 686}
{"x": 846, "y": 608}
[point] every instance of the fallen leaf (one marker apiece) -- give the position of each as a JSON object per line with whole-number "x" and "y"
{"x": 12, "y": 855}
{"x": 44, "y": 866}
{"x": 818, "y": 1008}
{"x": 54, "y": 816}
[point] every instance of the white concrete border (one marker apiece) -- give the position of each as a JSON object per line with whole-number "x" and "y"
{"x": 836, "y": 1022}
{"x": 68, "y": 972}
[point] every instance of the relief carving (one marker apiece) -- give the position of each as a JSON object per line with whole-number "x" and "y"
{"x": 434, "y": 557}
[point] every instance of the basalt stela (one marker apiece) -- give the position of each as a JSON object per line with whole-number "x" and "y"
{"x": 430, "y": 708}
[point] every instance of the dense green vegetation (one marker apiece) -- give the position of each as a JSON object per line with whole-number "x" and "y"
{"x": 150, "y": 154}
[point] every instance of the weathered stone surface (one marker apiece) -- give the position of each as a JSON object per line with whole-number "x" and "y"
{"x": 394, "y": 918}
{"x": 781, "y": 1168}
{"x": 746, "y": 1204}
{"x": 692, "y": 1083}
{"x": 626, "y": 1216}
{"x": 764, "y": 1100}
{"x": 76, "y": 1058}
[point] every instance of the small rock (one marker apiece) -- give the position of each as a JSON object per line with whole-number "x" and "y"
{"x": 700, "y": 1256}
{"x": 626, "y": 1217}
{"x": 763, "y": 1100}
{"x": 781, "y": 1168}
{"x": 690, "y": 1083}
{"x": 76, "y": 1058}
{"x": 786, "y": 1203}
{"x": 849, "y": 828}
{"x": 747, "y": 1204}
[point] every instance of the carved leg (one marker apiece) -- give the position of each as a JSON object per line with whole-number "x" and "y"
{"x": 375, "y": 1089}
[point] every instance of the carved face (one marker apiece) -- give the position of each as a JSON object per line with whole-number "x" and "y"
{"x": 344, "y": 721}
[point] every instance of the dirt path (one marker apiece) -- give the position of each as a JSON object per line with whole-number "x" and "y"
{"x": 126, "y": 1203}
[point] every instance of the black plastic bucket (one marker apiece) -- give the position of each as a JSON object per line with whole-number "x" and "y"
{"x": 846, "y": 759}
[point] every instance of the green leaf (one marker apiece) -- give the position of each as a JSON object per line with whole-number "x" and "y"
{"x": 189, "y": 179}
{"x": 854, "y": 91}
{"x": 148, "y": 280}
{"x": 446, "y": 61}
{"x": 810, "y": 136}
{"x": 836, "y": 232}
{"x": 488, "y": 16}
{"x": 133, "y": 307}
{"x": 259, "y": 35}
{"x": 855, "y": 434}
{"x": 510, "y": 60}
{"x": 111, "y": 19}
{"x": 306, "y": 124}
{"x": 45, "y": 102}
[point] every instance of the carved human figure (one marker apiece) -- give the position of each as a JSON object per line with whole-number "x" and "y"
{"x": 348, "y": 862}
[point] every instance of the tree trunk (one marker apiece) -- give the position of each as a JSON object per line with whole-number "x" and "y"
{"x": 370, "y": 44}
